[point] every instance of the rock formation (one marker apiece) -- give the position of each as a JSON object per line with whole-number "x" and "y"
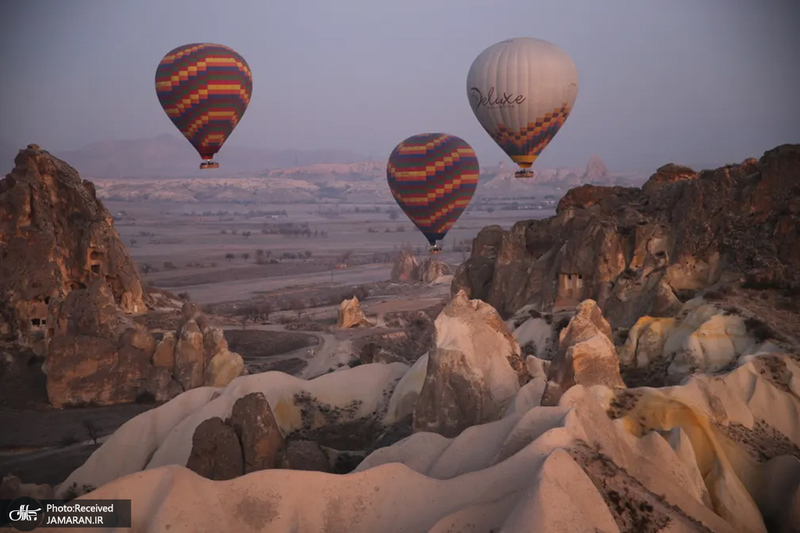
{"x": 350, "y": 314}
{"x": 596, "y": 172}
{"x": 248, "y": 441}
{"x": 407, "y": 268}
{"x": 55, "y": 237}
{"x": 637, "y": 252}
{"x": 715, "y": 454}
{"x": 586, "y": 353}
{"x": 473, "y": 372}
{"x": 68, "y": 289}
{"x": 433, "y": 269}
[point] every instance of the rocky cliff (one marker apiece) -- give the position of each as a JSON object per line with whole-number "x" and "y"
{"x": 56, "y": 236}
{"x": 642, "y": 251}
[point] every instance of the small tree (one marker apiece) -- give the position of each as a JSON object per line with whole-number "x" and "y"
{"x": 134, "y": 242}
{"x": 246, "y": 256}
{"x": 260, "y": 257}
{"x": 147, "y": 268}
{"x": 229, "y": 256}
{"x": 393, "y": 214}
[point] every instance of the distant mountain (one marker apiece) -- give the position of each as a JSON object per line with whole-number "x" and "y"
{"x": 171, "y": 156}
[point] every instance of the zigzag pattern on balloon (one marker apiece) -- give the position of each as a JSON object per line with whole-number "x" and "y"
{"x": 433, "y": 178}
{"x": 525, "y": 144}
{"x": 204, "y": 89}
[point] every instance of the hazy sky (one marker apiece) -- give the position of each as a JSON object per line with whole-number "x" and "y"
{"x": 700, "y": 82}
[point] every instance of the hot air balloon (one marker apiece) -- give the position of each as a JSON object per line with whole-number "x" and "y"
{"x": 204, "y": 89}
{"x": 522, "y": 91}
{"x": 432, "y": 177}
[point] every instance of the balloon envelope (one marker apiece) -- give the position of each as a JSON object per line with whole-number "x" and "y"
{"x": 204, "y": 89}
{"x": 521, "y": 91}
{"x": 433, "y": 177}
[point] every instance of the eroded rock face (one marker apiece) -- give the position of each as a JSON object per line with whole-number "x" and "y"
{"x": 56, "y": 236}
{"x": 586, "y": 353}
{"x": 474, "y": 371}
{"x": 216, "y": 452}
{"x": 189, "y": 356}
{"x": 703, "y": 338}
{"x": 85, "y": 370}
{"x": 633, "y": 250}
{"x": 406, "y": 267}
{"x": 350, "y": 314}
{"x": 433, "y": 269}
{"x": 260, "y": 437}
{"x": 304, "y": 455}
{"x": 224, "y": 368}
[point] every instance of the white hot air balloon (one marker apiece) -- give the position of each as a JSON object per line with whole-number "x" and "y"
{"x": 522, "y": 91}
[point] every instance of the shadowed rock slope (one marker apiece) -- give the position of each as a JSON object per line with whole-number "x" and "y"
{"x": 643, "y": 251}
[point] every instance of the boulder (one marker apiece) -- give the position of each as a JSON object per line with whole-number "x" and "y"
{"x": 213, "y": 342}
{"x": 255, "y": 426}
{"x": 224, "y": 368}
{"x": 216, "y": 452}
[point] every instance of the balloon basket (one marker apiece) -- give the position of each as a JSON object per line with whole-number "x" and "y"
{"x": 209, "y": 164}
{"x": 434, "y": 250}
{"x": 523, "y": 174}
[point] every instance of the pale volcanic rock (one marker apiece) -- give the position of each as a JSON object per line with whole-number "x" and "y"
{"x": 712, "y": 454}
{"x": 223, "y": 368}
{"x": 350, "y": 314}
{"x": 586, "y": 353}
{"x": 704, "y": 338}
{"x": 474, "y": 371}
{"x": 164, "y": 435}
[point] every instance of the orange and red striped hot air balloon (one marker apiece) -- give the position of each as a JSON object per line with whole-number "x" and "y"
{"x": 204, "y": 89}
{"x": 433, "y": 177}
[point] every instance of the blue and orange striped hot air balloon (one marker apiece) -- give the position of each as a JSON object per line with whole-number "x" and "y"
{"x": 204, "y": 88}
{"x": 433, "y": 177}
